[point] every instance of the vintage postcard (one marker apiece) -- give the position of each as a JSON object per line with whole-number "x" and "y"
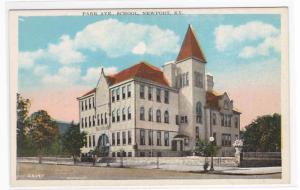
{"x": 149, "y": 97}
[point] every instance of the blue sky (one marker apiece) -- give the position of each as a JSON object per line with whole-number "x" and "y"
{"x": 66, "y": 51}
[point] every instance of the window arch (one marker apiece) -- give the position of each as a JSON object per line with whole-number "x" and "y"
{"x": 129, "y": 113}
{"x": 199, "y": 112}
{"x": 142, "y": 113}
{"x": 150, "y": 114}
{"x": 123, "y": 114}
{"x": 158, "y": 116}
{"x": 166, "y": 116}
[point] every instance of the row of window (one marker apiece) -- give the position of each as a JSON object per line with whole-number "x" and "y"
{"x": 87, "y": 104}
{"x": 124, "y": 135}
{"x": 91, "y": 120}
{"x": 90, "y": 141}
{"x": 150, "y": 115}
{"x": 151, "y": 140}
{"x": 126, "y": 114}
{"x": 125, "y": 91}
{"x": 182, "y": 80}
{"x": 225, "y": 120}
{"x": 150, "y": 94}
{"x": 121, "y": 154}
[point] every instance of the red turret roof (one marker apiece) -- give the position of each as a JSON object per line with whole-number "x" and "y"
{"x": 190, "y": 47}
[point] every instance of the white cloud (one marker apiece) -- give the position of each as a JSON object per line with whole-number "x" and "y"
{"x": 117, "y": 38}
{"x": 93, "y": 74}
{"x": 264, "y": 48}
{"x": 227, "y": 35}
{"x": 40, "y": 70}
{"x": 65, "y": 51}
{"x": 139, "y": 49}
{"x": 27, "y": 59}
{"x": 65, "y": 76}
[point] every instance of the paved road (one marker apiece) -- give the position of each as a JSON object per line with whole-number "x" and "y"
{"x": 57, "y": 172}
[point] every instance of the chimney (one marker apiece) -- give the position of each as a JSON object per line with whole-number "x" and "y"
{"x": 209, "y": 82}
{"x": 169, "y": 72}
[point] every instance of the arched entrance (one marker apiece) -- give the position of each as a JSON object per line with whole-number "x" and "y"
{"x": 103, "y": 145}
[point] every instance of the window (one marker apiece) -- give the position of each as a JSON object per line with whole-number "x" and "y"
{"x": 123, "y": 137}
{"x": 85, "y": 122}
{"x": 113, "y": 154}
{"x": 226, "y": 105}
{"x": 113, "y": 116}
{"x": 197, "y": 134}
{"x": 94, "y": 123}
{"x": 90, "y": 141}
{"x": 185, "y": 119}
{"x": 90, "y": 105}
{"x": 236, "y": 123}
{"x": 118, "y": 93}
{"x": 123, "y": 114}
{"x": 93, "y": 102}
{"x": 113, "y": 95}
{"x": 166, "y": 138}
{"x": 85, "y": 104}
{"x": 226, "y": 118}
{"x": 142, "y": 137}
{"x": 98, "y": 120}
{"x": 128, "y": 91}
{"x": 199, "y": 112}
{"x": 158, "y": 91}
{"x": 123, "y": 92}
{"x": 129, "y": 113}
{"x": 94, "y": 141}
{"x": 82, "y": 123}
{"x": 183, "y": 80}
{"x": 101, "y": 118}
{"x": 222, "y": 119}
{"x": 150, "y": 137}
{"x": 150, "y": 114}
{"x": 158, "y": 116}
{"x": 142, "y": 91}
{"x": 90, "y": 123}
{"x": 215, "y": 138}
{"x": 129, "y": 154}
{"x": 113, "y": 140}
{"x": 214, "y": 118}
{"x": 118, "y": 115}
{"x": 105, "y": 118}
{"x": 229, "y": 121}
{"x": 129, "y": 137}
{"x": 149, "y": 93}
{"x": 86, "y": 143}
{"x": 198, "y": 79}
{"x": 166, "y": 116}
{"x": 182, "y": 119}
{"x": 166, "y": 96}
{"x": 142, "y": 113}
{"x": 82, "y": 105}
{"x": 187, "y": 79}
{"x": 118, "y": 138}
{"x": 158, "y": 138}
{"x": 142, "y": 154}
{"x": 177, "y": 120}
{"x": 226, "y": 140}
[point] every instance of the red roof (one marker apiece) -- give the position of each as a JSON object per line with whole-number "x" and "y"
{"x": 212, "y": 99}
{"x": 90, "y": 92}
{"x": 140, "y": 70}
{"x": 190, "y": 47}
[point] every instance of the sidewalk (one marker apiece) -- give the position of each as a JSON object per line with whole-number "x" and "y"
{"x": 182, "y": 168}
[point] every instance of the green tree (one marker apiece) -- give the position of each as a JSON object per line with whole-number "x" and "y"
{"x": 73, "y": 140}
{"x": 42, "y": 130}
{"x": 206, "y": 148}
{"x": 263, "y": 134}
{"x": 23, "y": 106}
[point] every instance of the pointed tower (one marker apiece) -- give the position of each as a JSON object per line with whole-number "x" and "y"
{"x": 190, "y": 80}
{"x": 190, "y": 47}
